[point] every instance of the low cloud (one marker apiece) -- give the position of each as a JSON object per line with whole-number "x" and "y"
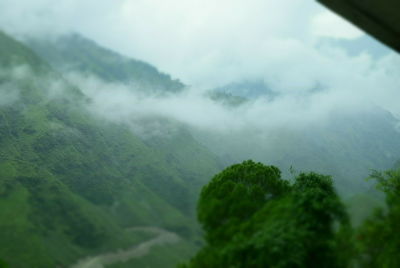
{"x": 209, "y": 44}
{"x": 354, "y": 85}
{"x": 205, "y": 43}
{"x": 8, "y": 94}
{"x": 9, "y": 89}
{"x": 20, "y": 82}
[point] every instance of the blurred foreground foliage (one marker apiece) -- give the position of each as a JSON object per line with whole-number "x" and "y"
{"x": 253, "y": 218}
{"x": 3, "y": 264}
{"x": 379, "y": 237}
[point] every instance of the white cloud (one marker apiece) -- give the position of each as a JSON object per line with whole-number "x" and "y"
{"x": 9, "y": 94}
{"x": 203, "y": 42}
{"x": 348, "y": 85}
{"x": 209, "y": 43}
{"x": 328, "y": 24}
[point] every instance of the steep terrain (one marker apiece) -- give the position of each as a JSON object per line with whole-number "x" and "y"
{"x": 70, "y": 183}
{"x": 75, "y": 53}
{"x": 73, "y": 183}
{"x": 347, "y": 145}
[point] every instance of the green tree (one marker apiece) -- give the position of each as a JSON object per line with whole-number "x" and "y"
{"x": 379, "y": 236}
{"x": 253, "y": 218}
{"x": 253, "y": 184}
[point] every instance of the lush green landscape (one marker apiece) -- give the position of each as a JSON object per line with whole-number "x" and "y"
{"x": 73, "y": 183}
{"x": 253, "y": 218}
{"x": 70, "y": 182}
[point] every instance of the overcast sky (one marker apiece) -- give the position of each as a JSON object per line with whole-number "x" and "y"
{"x": 202, "y": 42}
{"x": 209, "y": 43}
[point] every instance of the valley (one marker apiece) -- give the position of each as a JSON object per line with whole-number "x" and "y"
{"x": 161, "y": 237}
{"x": 102, "y": 159}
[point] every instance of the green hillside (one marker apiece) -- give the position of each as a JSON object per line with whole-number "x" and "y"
{"x": 73, "y": 184}
{"x": 347, "y": 145}
{"x": 70, "y": 183}
{"x": 76, "y": 53}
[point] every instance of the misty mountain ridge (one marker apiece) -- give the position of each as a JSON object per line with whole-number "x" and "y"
{"x": 76, "y": 175}
{"x": 249, "y": 89}
{"x": 285, "y": 146}
{"x": 74, "y": 53}
{"x": 71, "y": 182}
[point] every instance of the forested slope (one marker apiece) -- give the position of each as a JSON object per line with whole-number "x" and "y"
{"x": 71, "y": 182}
{"x": 76, "y": 53}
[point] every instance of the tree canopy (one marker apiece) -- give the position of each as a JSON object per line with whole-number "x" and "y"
{"x": 254, "y": 218}
{"x": 379, "y": 237}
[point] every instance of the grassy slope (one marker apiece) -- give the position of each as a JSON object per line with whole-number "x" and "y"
{"x": 70, "y": 183}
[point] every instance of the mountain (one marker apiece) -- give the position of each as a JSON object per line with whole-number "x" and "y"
{"x": 247, "y": 89}
{"x": 74, "y": 53}
{"x": 73, "y": 184}
{"x": 347, "y": 144}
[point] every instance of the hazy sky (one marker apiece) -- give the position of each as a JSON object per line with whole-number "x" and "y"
{"x": 208, "y": 43}
{"x": 202, "y": 42}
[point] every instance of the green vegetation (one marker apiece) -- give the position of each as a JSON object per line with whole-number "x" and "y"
{"x": 379, "y": 236}
{"x": 161, "y": 256}
{"x": 3, "y": 264}
{"x": 78, "y": 54}
{"x": 346, "y": 147}
{"x": 253, "y": 218}
{"x": 71, "y": 183}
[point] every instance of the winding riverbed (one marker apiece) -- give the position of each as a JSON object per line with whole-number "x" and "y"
{"x": 161, "y": 237}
